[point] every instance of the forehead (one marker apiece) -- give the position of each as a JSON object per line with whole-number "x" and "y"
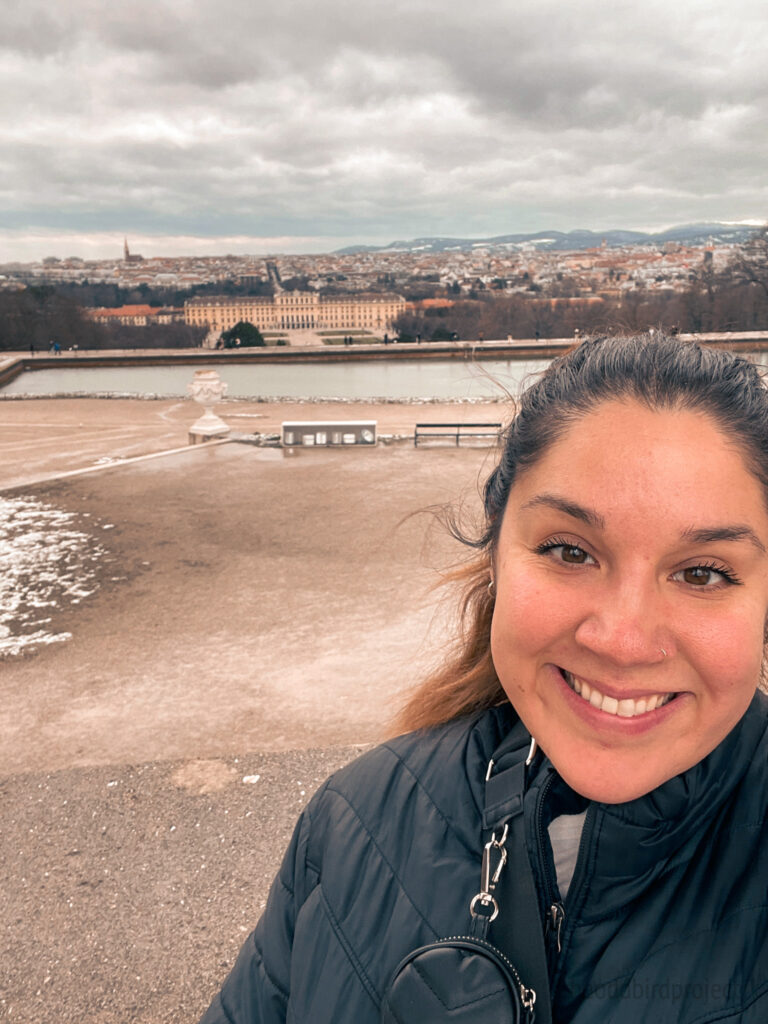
{"x": 635, "y": 462}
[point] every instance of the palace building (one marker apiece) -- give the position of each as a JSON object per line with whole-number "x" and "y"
{"x": 295, "y": 311}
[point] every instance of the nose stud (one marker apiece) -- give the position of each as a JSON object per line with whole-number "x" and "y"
{"x": 663, "y": 652}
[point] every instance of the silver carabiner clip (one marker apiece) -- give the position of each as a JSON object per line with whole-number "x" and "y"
{"x": 489, "y": 877}
{"x": 490, "y": 880}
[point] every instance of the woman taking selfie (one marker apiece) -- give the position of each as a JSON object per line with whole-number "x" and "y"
{"x": 573, "y": 827}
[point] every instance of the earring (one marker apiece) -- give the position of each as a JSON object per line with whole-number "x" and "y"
{"x": 492, "y": 587}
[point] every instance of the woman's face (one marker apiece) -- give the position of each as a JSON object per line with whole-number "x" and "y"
{"x": 631, "y": 597}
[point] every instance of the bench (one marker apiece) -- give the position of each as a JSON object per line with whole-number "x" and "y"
{"x": 455, "y": 431}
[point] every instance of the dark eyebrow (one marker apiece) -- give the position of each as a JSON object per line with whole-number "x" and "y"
{"x": 708, "y": 534}
{"x": 702, "y": 535}
{"x": 570, "y": 508}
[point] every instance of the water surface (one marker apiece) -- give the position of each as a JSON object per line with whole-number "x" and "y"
{"x": 392, "y": 380}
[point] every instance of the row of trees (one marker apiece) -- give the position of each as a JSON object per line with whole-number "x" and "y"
{"x": 151, "y": 336}
{"x": 696, "y": 310}
{"x": 38, "y": 317}
{"x": 102, "y": 293}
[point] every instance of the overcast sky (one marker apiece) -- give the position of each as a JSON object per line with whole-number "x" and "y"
{"x": 217, "y": 126}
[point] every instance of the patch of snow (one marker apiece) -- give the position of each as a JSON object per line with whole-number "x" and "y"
{"x": 45, "y": 564}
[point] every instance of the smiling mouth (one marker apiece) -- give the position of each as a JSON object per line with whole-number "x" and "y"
{"x": 628, "y": 707}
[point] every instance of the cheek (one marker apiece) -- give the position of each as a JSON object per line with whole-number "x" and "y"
{"x": 728, "y": 653}
{"x": 527, "y": 617}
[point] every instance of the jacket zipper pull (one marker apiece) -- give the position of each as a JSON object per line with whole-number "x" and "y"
{"x": 555, "y": 919}
{"x": 528, "y": 999}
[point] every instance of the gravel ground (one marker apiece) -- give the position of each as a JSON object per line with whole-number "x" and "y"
{"x": 126, "y": 891}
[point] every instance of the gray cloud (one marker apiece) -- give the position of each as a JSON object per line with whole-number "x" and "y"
{"x": 355, "y": 120}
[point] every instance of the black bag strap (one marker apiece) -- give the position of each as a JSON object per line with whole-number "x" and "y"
{"x": 517, "y": 927}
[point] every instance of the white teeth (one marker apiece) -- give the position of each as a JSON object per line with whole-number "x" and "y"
{"x": 625, "y": 708}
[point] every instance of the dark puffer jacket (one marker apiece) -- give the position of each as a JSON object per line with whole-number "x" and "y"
{"x": 666, "y": 920}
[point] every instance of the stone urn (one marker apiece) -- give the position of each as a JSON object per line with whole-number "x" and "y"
{"x": 208, "y": 389}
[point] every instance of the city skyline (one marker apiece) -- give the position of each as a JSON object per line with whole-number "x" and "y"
{"x": 206, "y": 129}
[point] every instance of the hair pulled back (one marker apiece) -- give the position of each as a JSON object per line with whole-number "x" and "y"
{"x": 662, "y": 373}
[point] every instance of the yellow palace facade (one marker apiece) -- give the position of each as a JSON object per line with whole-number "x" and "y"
{"x": 296, "y": 311}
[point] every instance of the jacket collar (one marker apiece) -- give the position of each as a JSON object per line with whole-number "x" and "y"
{"x": 634, "y": 841}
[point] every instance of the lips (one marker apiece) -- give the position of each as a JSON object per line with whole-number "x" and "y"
{"x": 627, "y": 707}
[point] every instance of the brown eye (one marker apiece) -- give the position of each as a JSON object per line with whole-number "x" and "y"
{"x": 572, "y": 554}
{"x": 697, "y": 575}
{"x": 709, "y": 576}
{"x": 559, "y": 551}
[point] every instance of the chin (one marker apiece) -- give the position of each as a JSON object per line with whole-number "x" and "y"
{"x": 609, "y": 787}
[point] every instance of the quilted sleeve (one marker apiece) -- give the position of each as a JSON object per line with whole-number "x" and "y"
{"x": 257, "y": 989}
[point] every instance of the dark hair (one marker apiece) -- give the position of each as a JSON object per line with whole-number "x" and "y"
{"x": 659, "y": 371}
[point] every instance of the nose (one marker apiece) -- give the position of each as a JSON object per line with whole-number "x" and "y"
{"x": 626, "y": 624}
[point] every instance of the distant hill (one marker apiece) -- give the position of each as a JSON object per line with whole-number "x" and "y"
{"x": 687, "y": 234}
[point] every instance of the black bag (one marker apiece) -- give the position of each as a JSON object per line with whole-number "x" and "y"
{"x": 461, "y": 980}
{"x": 465, "y": 979}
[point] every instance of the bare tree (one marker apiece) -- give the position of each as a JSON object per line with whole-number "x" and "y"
{"x": 750, "y": 261}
